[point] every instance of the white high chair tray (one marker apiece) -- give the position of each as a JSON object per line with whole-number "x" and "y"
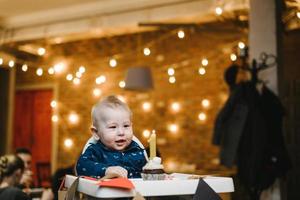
{"x": 176, "y": 187}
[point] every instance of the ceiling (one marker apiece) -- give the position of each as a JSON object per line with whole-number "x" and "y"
{"x": 66, "y": 20}
{"x": 63, "y": 20}
{"x": 11, "y": 8}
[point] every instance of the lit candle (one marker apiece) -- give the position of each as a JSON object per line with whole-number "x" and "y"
{"x": 152, "y": 144}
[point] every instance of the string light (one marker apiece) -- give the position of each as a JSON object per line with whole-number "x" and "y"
{"x": 241, "y": 45}
{"x": 202, "y": 116}
{"x": 173, "y": 128}
{"x": 11, "y": 63}
{"x": 171, "y": 166}
{"x": 146, "y": 106}
{"x": 180, "y": 34}
{"x": 204, "y": 62}
{"x": 202, "y": 71}
{"x": 219, "y": 10}
{"x": 146, "y": 133}
{"x": 233, "y": 57}
{"x": 1, "y": 61}
{"x": 78, "y": 74}
{"x": 97, "y": 92}
{"x": 59, "y": 67}
{"x": 175, "y": 106}
{"x": 172, "y": 79}
{"x": 147, "y": 51}
{"x": 73, "y": 118}
{"x": 53, "y": 104}
{"x": 113, "y": 62}
{"x": 54, "y": 118}
{"x": 101, "y": 79}
{"x": 24, "y": 67}
{"x": 51, "y": 70}
{"x": 69, "y": 77}
{"x": 76, "y": 81}
{"x": 81, "y": 69}
{"x": 205, "y": 103}
{"x": 171, "y": 71}
{"x": 298, "y": 14}
{"x": 68, "y": 143}
{"x": 39, "y": 72}
{"x": 122, "y": 84}
{"x": 41, "y": 51}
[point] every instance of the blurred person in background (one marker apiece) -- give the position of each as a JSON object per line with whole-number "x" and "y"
{"x": 11, "y": 171}
{"x": 27, "y": 177}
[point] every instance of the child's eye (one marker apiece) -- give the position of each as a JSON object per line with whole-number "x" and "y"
{"x": 127, "y": 125}
{"x": 112, "y": 127}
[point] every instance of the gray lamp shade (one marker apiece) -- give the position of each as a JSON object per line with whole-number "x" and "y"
{"x": 139, "y": 78}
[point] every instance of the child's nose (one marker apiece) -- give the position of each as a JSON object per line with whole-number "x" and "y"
{"x": 121, "y": 131}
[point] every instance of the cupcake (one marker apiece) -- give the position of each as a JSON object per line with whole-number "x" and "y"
{"x": 153, "y": 170}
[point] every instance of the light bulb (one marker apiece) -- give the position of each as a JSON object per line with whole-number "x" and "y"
{"x": 11, "y": 63}
{"x": 73, "y": 118}
{"x": 175, "y": 106}
{"x": 78, "y": 74}
{"x": 241, "y": 45}
{"x": 146, "y": 133}
{"x": 41, "y": 51}
{"x": 51, "y": 71}
{"x": 146, "y": 106}
{"x": 68, "y": 143}
{"x": 24, "y": 67}
{"x": 113, "y": 62}
{"x": 59, "y": 67}
{"x": 181, "y": 34}
{"x": 39, "y": 72}
{"x": 219, "y": 10}
{"x": 122, "y": 84}
{"x": 101, "y": 79}
{"x": 69, "y": 77}
{"x": 171, "y": 71}
{"x": 54, "y": 118}
{"x": 76, "y": 81}
{"x": 147, "y": 51}
{"x": 202, "y": 116}
{"x": 172, "y": 79}
{"x": 1, "y": 61}
{"x": 204, "y": 62}
{"x": 173, "y": 128}
{"x": 233, "y": 57}
{"x": 82, "y": 69}
{"x": 205, "y": 103}
{"x": 97, "y": 92}
{"x": 53, "y": 104}
{"x": 201, "y": 71}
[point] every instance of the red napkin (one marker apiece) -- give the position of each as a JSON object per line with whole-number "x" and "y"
{"x": 116, "y": 182}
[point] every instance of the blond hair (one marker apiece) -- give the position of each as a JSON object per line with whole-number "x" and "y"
{"x": 107, "y": 102}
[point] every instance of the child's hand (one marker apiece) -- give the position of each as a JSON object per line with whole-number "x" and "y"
{"x": 116, "y": 171}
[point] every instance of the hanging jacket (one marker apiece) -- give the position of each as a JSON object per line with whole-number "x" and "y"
{"x": 249, "y": 132}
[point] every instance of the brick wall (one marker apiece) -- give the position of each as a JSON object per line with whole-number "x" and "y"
{"x": 191, "y": 145}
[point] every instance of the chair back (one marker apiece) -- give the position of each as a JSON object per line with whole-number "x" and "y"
{"x": 43, "y": 170}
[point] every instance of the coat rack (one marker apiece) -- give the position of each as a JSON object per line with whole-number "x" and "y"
{"x": 266, "y": 61}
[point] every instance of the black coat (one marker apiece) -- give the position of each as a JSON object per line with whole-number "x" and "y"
{"x": 249, "y": 132}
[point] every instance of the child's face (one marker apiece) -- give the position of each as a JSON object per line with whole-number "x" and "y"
{"x": 115, "y": 128}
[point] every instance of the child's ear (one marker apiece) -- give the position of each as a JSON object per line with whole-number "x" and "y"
{"x": 95, "y": 132}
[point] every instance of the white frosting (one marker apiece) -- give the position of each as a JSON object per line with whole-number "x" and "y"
{"x": 154, "y": 163}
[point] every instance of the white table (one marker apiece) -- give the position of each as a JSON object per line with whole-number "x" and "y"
{"x": 176, "y": 187}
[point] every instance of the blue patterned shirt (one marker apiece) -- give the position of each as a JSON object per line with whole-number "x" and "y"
{"x": 97, "y": 158}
